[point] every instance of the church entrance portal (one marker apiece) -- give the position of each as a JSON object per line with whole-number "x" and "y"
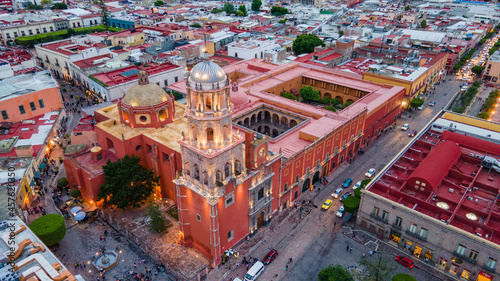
{"x": 306, "y": 185}
{"x": 260, "y": 220}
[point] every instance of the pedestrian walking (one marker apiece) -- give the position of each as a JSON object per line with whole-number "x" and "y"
{"x": 371, "y": 253}
{"x": 334, "y": 224}
{"x": 237, "y": 265}
{"x": 347, "y": 249}
{"x": 350, "y": 250}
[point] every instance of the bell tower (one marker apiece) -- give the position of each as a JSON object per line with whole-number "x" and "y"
{"x": 212, "y": 156}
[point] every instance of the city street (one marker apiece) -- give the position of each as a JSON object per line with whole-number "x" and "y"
{"x": 310, "y": 242}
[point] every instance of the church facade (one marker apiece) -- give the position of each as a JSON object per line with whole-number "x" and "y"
{"x": 237, "y": 153}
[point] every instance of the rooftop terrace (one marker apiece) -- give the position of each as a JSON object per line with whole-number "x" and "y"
{"x": 25, "y": 84}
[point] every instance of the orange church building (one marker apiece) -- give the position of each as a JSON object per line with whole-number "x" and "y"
{"x": 236, "y": 153}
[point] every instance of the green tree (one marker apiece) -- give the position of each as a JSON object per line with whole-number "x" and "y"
{"x": 423, "y": 24}
{"x": 59, "y": 6}
{"x": 243, "y": 9}
{"x": 62, "y": 182}
{"x": 416, "y": 102}
{"x": 341, "y": 33}
{"x": 195, "y": 25}
{"x": 216, "y": 11}
{"x": 50, "y": 228}
{"x": 331, "y": 108}
{"x": 377, "y": 268}
{"x": 309, "y": 94}
{"x": 256, "y": 5}
{"x": 279, "y": 11}
{"x": 71, "y": 32}
{"x": 347, "y": 103}
{"x": 483, "y": 115}
{"x": 228, "y": 8}
{"x": 128, "y": 184}
{"x": 351, "y": 204}
{"x": 365, "y": 182}
{"x": 306, "y": 43}
{"x": 34, "y": 7}
{"x": 104, "y": 13}
{"x": 357, "y": 192}
{"x": 403, "y": 277}
{"x": 156, "y": 219}
{"x": 335, "y": 273}
{"x": 239, "y": 13}
{"x": 478, "y": 69}
{"x": 407, "y": 8}
{"x": 289, "y": 96}
{"x": 45, "y": 2}
{"x": 76, "y": 193}
{"x": 159, "y": 3}
{"x": 334, "y": 102}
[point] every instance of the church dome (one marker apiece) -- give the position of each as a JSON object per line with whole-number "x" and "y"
{"x": 207, "y": 72}
{"x": 145, "y": 93}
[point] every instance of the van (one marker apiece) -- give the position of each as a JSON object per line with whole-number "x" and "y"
{"x": 254, "y": 272}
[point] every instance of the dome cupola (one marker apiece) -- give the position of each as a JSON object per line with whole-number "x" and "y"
{"x": 207, "y": 73}
{"x": 146, "y": 104}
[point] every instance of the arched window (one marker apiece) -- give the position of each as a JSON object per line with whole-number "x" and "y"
{"x": 186, "y": 169}
{"x": 193, "y": 129}
{"x": 162, "y": 115}
{"x": 218, "y": 176}
{"x": 227, "y": 170}
{"x": 125, "y": 116}
{"x": 205, "y": 177}
{"x": 196, "y": 172}
{"x": 237, "y": 167}
{"x": 210, "y": 134}
{"x": 225, "y": 133}
{"x": 208, "y": 103}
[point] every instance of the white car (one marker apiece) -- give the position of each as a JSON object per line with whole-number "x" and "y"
{"x": 405, "y": 127}
{"x": 337, "y": 192}
{"x": 340, "y": 212}
{"x": 370, "y": 173}
{"x": 357, "y": 185}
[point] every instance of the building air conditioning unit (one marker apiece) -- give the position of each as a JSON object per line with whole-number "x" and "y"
{"x": 475, "y": 188}
{"x": 451, "y": 190}
{"x": 470, "y": 198}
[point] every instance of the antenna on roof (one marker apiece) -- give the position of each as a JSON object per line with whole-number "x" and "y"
{"x": 205, "y": 49}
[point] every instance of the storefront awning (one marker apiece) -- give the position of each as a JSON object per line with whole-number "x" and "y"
{"x": 42, "y": 166}
{"x": 484, "y": 276}
{"x": 37, "y": 174}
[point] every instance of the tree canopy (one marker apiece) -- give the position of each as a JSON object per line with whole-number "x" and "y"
{"x": 416, "y": 102}
{"x": 423, "y": 24}
{"x": 159, "y": 3}
{"x": 309, "y": 94}
{"x": 306, "y": 43}
{"x": 50, "y": 228}
{"x": 478, "y": 69}
{"x": 228, "y": 8}
{"x": 256, "y": 4}
{"x": 351, "y": 204}
{"x": 45, "y": 2}
{"x": 376, "y": 268}
{"x": 156, "y": 219}
{"x": 59, "y": 6}
{"x": 243, "y": 9}
{"x": 279, "y": 11}
{"x": 335, "y": 273}
{"x": 128, "y": 184}
{"x": 104, "y": 13}
{"x": 62, "y": 182}
{"x": 407, "y": 8}
{"x": 403, "y": 277}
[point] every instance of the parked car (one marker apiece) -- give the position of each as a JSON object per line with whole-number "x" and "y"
{"x": 270, "y": 256}
{"x": 345, "y": 196}
{"x": 420, "y": 107}
{"x": 370, "y": 173}
{"x": 357, "y": 185}
{"x": 340, "y": 212}
{"x": 327, "y": 204}
{"x": 404, "y": 261}
{"x": 432, "y": 103}
{"x": 337, "y": 192}
{"x": 412, "y": 133}
{"x": 347, "y": 183}
{"x": 405, "y": 127}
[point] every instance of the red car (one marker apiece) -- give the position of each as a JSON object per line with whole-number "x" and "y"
{"x": 405, "y": 261}
{"x": 270, "y": 256}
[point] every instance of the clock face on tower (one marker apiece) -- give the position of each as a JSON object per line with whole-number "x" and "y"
{"x": 262, "y": 151}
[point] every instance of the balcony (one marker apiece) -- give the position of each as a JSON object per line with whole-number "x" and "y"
{"x": 395, "y": 226}
{"x": 421, "y": 237}
{"x": 412, "y": 233}
{"x": 489, "y": 269}
{"x": 379, "y": 218}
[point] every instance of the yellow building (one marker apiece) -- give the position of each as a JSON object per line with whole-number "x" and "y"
{"x": 127, "y": 38}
